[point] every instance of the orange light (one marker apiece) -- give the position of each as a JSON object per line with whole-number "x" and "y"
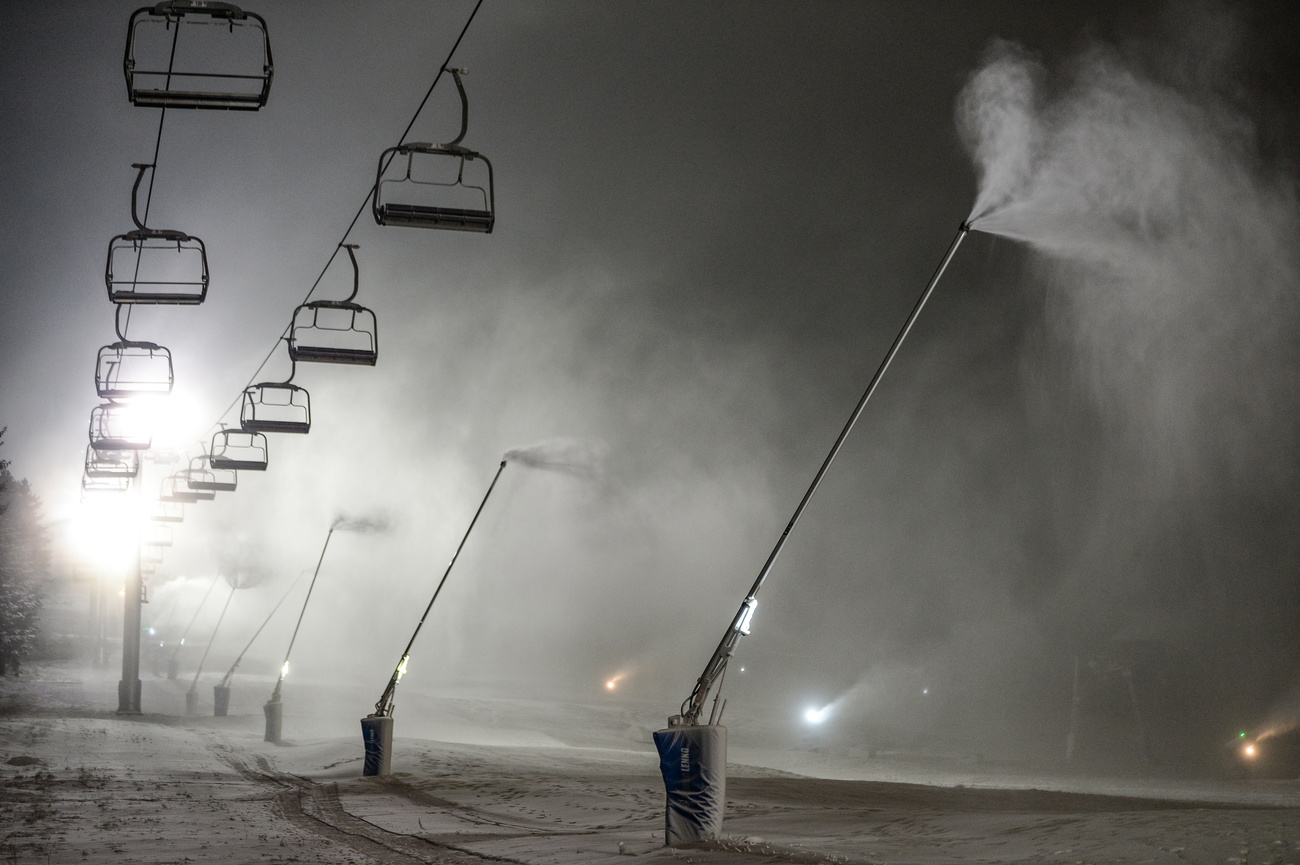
{"x": 1249, "y": 750}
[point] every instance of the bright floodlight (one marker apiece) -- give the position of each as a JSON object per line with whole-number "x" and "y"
{"x": 1249, "y": 750}
{"x": 816, "y": 716}
{"x": 284, "y": 671}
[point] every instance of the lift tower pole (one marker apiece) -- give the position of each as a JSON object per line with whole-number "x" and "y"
{"x": 128, "y": 689}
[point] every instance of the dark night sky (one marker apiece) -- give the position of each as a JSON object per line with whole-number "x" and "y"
{"x": 713, "y": 217}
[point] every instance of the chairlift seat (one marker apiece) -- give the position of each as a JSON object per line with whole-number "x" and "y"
{"x": 232, "y": 86}
{"x": 389, "y": 212}
{"x": 157, "y": 266}
{"x": 322, "y": 341}
{"x": 151, "y": 556}
{"x": 452, "y": 218}
{"x": 112, "y": 463}
{"x": 276, "y": 407}
{"x": 115, "y": 427}
{"x": 238, "y": 450}
{"x": 129, "y": 369}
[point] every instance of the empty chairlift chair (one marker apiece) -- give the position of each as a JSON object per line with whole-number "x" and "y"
{"x": 157, "y": 536}
{"x": 202, "y": 477}
{"x": 168, "y": 512}
{"x": 276, "y": 407}
{"x": 238, "y": 450}
{"x": 174, "y": 489}
{"x": 112, "y": 463}
{"x": 96, "y": 486}
{"x": 193, "y": 54}
{"x": 421, "y": 185}
{"x": 128, "y": 369}
{"x": 157, "y": 266}
{"x": 119, "y": 426}
{"x": 335, "y": 331}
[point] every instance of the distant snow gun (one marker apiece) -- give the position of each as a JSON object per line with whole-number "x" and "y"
{"x": 377, "y": 728}
{"x": 174, "y": 661}
{"x": 192, "y": 695}
{"x": 273, "y": 708}
{"x": 693, "y": 756}
{"x": 221, "y": 691}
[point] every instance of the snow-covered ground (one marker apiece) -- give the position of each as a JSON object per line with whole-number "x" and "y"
{"x": 477, "y": 778}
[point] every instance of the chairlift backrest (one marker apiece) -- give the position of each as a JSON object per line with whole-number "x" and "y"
{"x": 129, "y": 369}
{"x": 112, "y": 463}
{"x": 275, "y": 407}
{"x": 194, "y": 54}
{"x": 203, "y": 477}
{"x": 116, "y": 426}
{"x": 239, "y": 450}
{"x": 150, "y": 556}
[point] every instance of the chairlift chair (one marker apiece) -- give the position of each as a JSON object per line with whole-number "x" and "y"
{"x": 335, "y": 331}
{"x": 173, "y": 490}
{"x": 238, "y": 449}
{"x": 228, "y": 70}
{"x": 157, "y": 536}
{"x": 150, "y": 556}
{"x": 112, "y": 464}
{"x": 157, "y": 266}
{"x": 168, "y": 512}
{"x": 127, "y": 369}
{"x": 201, "y": 476}
{"x": 116, "y": 427}
{"x": 97, "y": 486}
{"x": 402, "y": 196}
{"x": 276, "y": 406}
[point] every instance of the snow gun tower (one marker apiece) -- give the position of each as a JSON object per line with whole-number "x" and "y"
{"x": 693, "y": 755}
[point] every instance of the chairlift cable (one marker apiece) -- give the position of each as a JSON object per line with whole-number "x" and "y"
{"x": 360, "y": 209}
{"x": 153, "y": 172}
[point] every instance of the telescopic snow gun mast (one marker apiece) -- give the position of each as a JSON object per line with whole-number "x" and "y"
{"x": 715, "y": 671}
{"x": 284, "y": 668}
{"x": 225, "y": 682}
{"x": 384, "y": 708}
{"x": 194, "y": 688}
{"x": 177, "y": 651}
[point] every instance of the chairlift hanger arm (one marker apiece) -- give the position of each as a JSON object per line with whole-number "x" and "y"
{"x": 464, "y": 105}
{"x": 693, "y": 705}
{"x": 356, "y": 271}
{"x": 141, "y": 167}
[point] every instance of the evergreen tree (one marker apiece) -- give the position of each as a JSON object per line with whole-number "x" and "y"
{"x": 24, "y": 567}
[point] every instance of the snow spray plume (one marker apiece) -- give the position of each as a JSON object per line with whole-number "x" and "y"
{"x": 571, "y": 456}
{"x": 375, "y": 523}
{"x": 384, "y": 706}
{"x": 1177, "y": 247}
